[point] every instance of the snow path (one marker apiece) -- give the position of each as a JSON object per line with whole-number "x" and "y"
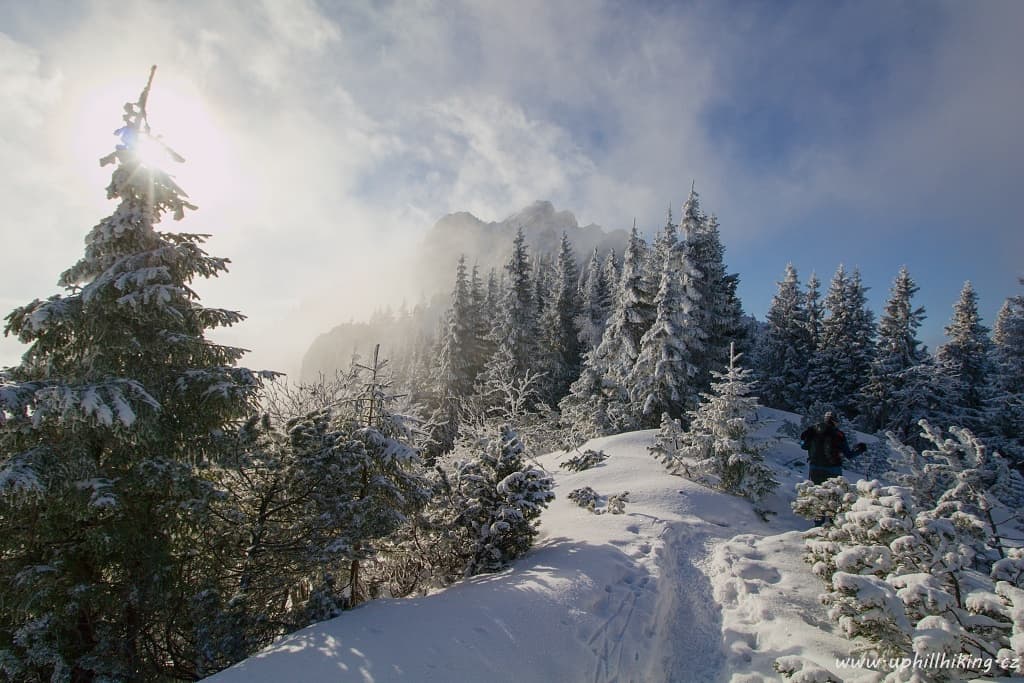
{"x": 688, "y": 584}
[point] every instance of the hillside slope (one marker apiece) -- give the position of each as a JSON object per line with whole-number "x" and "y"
{"x": 687, "y": 584}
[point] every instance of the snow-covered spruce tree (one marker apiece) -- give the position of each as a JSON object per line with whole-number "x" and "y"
{"x": 898, "y": 351}
{"x": 118, "y": 400}
{"x": 594, "y": 407}
{"x": 815, "y": 310}
{"x": 365, "y": 466}
{"x": 717, "y": 442}
{"x": 785, "y": 347}
{"x": 720, "y": 312}
{"x": 965, "y": 363}
{"x": 963, "y": 466}
{"x": 293, "y": 524}
{"x": 596, "y": 302}
{"x": 632, "y": 314}
{"x": 667, "y": 442}
{"x": 1004, "y": 412}
{"x": 454, "y": 373}
{"x": 487, "y": 507}
{"x": 661, "y": 378}
{"x": 665, "y": 242}
{"x": 560, "y": 353}
{"x": 846, "y": 348}
{"x": 514, "y": 334}
{"x": 1008, "y": 343}
{"x": 598, "y": 401}
{"x": 612, "y": 276}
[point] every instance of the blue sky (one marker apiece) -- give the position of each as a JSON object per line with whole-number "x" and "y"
{"x": 321, "y": 136}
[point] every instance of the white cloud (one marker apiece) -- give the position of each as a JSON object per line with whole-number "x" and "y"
{"x": 348, "y": 129}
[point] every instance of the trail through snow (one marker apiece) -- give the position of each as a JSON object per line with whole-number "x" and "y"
{"x": 688, "y": 584}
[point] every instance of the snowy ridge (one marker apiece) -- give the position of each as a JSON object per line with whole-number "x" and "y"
{"x": 687, "y": 584}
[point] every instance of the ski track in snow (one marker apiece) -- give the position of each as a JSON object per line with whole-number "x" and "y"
{"x": 687, "y": 585}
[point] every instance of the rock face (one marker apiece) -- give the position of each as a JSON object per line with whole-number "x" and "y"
{"x": 486, "y": 244}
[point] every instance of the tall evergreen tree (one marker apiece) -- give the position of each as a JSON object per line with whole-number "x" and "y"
{"x": 598, "y": 401}
{"x": 543, "y": 280}
{"x": 103, "y": 426}
{"x": 596, "y": 300}
{"x": 612, "y": 276}
{"x": 786, "y": 347}
{"x": 966, "y": 362}
{"x": 454, "y": 368}
{"x": 559, "y": 336}
{"x": 632, "y": 315}
{"x": 815, "y": 310}
{"x": 843, "y": 358}
{"x": 479, "y": 323}
{"x": 514, "y": 334}
{"x": 721, "y": 313}
{"x": 664, "y": 243}
{"x": 454, "y": 374}
{"x": 1008, "y": 339}
{"x": 899, "y": 350}
{"x": 660, "y": 381}
{"x": 1005, "y": 413}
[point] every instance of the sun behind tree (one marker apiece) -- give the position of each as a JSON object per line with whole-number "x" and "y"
{"x": 116, "y": 403}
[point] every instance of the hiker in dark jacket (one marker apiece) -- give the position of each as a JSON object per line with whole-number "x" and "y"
{"x": 826, "y": 445}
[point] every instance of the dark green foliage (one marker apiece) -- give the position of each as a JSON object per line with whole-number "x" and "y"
{"x": 103, "y": 426}
{"x": 504, "y": 498}
{"x": 846, "y": 347}
{"x": 782, "y": 356}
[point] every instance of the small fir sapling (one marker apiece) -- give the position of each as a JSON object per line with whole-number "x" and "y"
{"x": 667, "y": 444}
{"x": 717, "y": 443}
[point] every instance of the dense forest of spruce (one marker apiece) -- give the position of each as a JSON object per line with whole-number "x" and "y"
{"x": 165, "y": 513}
{"x": 614, "y": 344}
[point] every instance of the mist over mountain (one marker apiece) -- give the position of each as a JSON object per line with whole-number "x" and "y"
{"x": 487, "y": 244}
{"x": 484, "y": 244}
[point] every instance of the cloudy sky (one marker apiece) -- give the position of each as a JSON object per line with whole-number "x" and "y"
{"x": 323, "y": 136}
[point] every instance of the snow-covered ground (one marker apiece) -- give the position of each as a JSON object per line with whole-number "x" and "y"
{"x": 688, "y": 584}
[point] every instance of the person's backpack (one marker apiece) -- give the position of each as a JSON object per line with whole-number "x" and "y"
{"x": 823, "y": 446}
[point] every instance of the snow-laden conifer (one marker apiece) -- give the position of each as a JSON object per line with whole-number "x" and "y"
{"x": 596, "y": 301}
{"x": 661, "y": 378}
{"x": 846, "y": 347}
{"x": 667, "y": 443}
{"x": 118, "y": 401}
{"x": 965, "y": 363}
{"x": 514, "y": 334}
{"x": 898, "y": 352}
{"x": 632, "y": 314}
{"x": 665, "y": 242}
{"x": 815, "y": 310}
{"x": 719, "y": 314}
{"x": 1008, "y": 342}
{"x": 486, "y": 507}
{"x": 785, "y": 347}
{"x": 1004, "y": 411}
{"x": 560, "y": 353}
{"x": 454, "y": 374}
{"x": 363, "y": 477}
{"x": 717, "y": 447}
